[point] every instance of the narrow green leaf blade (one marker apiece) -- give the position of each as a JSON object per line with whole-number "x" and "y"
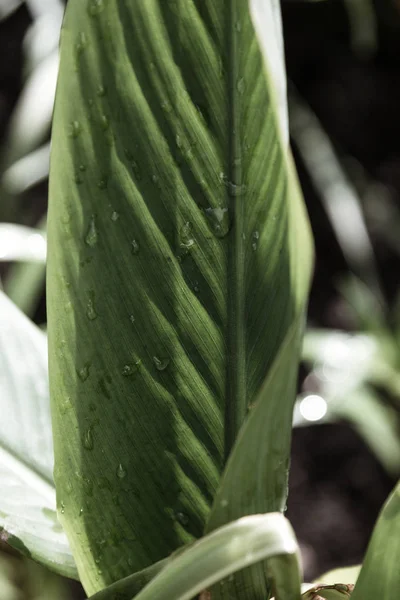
{"x": 216, "y": 556}
{"x": 179, "y": 258}
{"x": 28, "y": 518}
{"x": 380, "y": 574}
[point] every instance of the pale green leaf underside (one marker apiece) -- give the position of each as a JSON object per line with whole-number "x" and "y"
{"x": 28, "y": 518}
{"x": 217, "y": 556}
{"x": 380, "y": 574}
{"x": 179, "y": 257}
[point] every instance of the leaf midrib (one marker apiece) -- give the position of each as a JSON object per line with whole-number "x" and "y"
{"x": 235, "y": 406}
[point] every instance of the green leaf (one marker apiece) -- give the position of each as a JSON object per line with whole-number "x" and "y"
{"x": 380, "y": 574}
{"x": 28, "y": 519}
{"x": 344, "y": 574}
{"x": 215, "y": 557}
{"x": 179, "y": 259}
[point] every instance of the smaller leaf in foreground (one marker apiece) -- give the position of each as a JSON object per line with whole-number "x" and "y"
{"x": 28, "y": 513}
{"x": 380, "y": 574}
{"x": 221, "y": 553}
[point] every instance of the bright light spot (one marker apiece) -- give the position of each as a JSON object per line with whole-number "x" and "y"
{"x": 37, "y": 246}
{"x": 313, "y": 407}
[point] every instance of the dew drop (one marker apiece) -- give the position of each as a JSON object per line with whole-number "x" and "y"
{"x": 166, "y": 106}
{"x": 90, "y": 306}
{"x": 131, "y": 368}
{"x": 196, "y": 288}
{"x": 104, "y": 122}
{"x": 102, "y": 183}
{"x": 66, "y": 405}
{"x": 218, "y": 219}
{"x": 135, "y": 248}
{"x": 84, "y": 372}
{"x": 182, "y": 518}
{"x": 81, "y": 43}
{"x": 161, "y": 363}
{"x": 178, "y": 140}
{"x": 132, "y": 318}
{"x": 240, "y": 86}
{"x": 114, "y": 216}
{"x": 186, "y": 238}
{"x": 82, "y": 167}
{"x": 91, "y": 234}
{"x": 121, "y": 472}
{"x": 88, "y": 439}
{"x": 101, "y": 91}
{"x": 154, "y": 178}
{"x": 78, "y": 179}
{"x": 75, "y": 129}
{"x": 81, "y": 512}
{"x": 62, "y": 508}
{"x": 236, "y": 189}
{"x": 255, "y": 237}
{"x": 95, "y": 7}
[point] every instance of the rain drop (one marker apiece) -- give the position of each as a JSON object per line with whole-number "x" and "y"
{"x": 196, "y": 288}
{"x": 82, "y": 167}
{"x": 135, "y": 248}
{"x": 132, "y": 318}
{"x": 62, "y": 508}
{"x": 186, "y": 238}
{"x": 218, "y": 219}
{"x": 75, "y": 129}
{"x": 161, "y": 363}
{"x": 84, "y": 372}
{"x": 104, "y": 122}
{"x": 182, "y": 518}
{"x": 101, "y": 91}
{"x": 90, "y": 307}
{"x": 95, "y": 7}
{"x": 114, "y": 216}
{"x": 255, "y": 238}
{"x": 102, "y": 183}
{"x": 88, "y": 439}
{"x": 121, "y": 473}
{"x": 240, "y": 86}
{"x": 91, "y": 234}
{"x": 81, "y": 512}
{"x": 131, "y": 369}
{"x": 81, "y": 44}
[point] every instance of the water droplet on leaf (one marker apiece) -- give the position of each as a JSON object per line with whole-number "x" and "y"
{"x": 95, "y": 7}
{"x": 90, "y": 306}
{"x": 161, "y": 363}
{"x": 91, "y": 234}
{"x": 88, "y": 439}
{"x": 101, "y": 91}
{"x": 255, "y": 237}
{"x": 240, "y": 85}
{"x": 121, "y": 473}
{"x": 104, "y": 122}
{"x": 84, "y": 372}
{"x": 114, "y": 216}
{"x": 62, "y": 508}
{"x": 182, "y": 518}
{"x": 135, "y": 248}
{"x": 218, "y": 219}
{"x": 75, "y": 129}
{"x": 186, "y": 238}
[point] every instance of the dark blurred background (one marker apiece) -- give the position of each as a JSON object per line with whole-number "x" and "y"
{"x": 343, "y": 63}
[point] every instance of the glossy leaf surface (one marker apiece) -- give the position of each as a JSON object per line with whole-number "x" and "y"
{"x": 179, "y": 259}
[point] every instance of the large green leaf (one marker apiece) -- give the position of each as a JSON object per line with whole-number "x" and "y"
{"x": 380, "y": 574}
{"x": 28, "y": 518}
{"x": 179, "y": 260}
